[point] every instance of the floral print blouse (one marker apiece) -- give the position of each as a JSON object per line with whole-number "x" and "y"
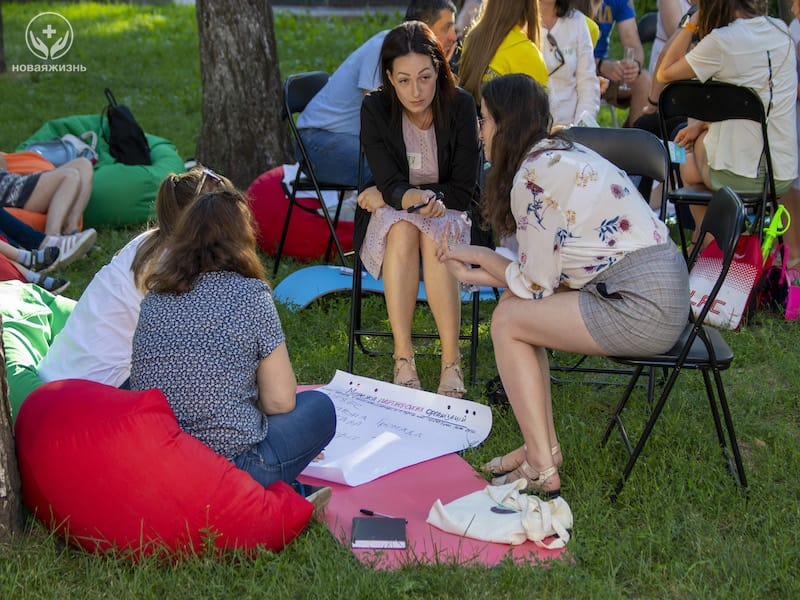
{"x": 577, "y": 214}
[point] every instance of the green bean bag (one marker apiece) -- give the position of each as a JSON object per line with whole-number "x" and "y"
{"x": 122, "y": 194}
{"x": 31, "y": 319}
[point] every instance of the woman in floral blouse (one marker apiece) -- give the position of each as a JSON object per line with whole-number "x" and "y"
{"x": 597, "y": 272}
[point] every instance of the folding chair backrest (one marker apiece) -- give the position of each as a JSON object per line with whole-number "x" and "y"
{"x": 715, "y": 101}
{"x": 647, "y": 26}
{"x": 299, "y": 89}
{"x": 724, "y": 220}
{"x": 710, "y": 101}
{"x": 635, "y": 151}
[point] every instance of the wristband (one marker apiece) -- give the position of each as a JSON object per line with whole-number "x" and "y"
{"x": 599, "y": 64}
{"x": 690, "y": 27}
{"x": 639, "y": 65}
{"x": 652, "y": 103}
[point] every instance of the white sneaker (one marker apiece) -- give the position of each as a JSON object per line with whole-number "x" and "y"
{"x": 73, "y": 246}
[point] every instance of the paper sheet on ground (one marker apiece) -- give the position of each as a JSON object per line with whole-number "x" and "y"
{"x": 382, "y": 427}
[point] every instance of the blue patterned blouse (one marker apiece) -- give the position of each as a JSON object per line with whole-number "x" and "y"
{"x": 202, "y": 349}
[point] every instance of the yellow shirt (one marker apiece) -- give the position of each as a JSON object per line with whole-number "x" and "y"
{"x": 594, "y": 30}
{"x": 517, "y": 54}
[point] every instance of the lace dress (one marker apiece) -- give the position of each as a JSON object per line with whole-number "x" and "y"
{"x": 423, "y": 167}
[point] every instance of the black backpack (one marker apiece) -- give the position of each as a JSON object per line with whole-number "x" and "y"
{"x": 126, "y": 140}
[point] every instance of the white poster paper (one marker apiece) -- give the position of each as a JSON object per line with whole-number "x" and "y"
{"x": 382, "y": 427}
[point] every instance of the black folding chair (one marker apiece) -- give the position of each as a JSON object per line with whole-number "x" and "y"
{"x": 647, "y": 26}
{"x": 714, "y": 101}
{"x": 638, "y": 153}
{"x": 700, "y": 347}
{"x": 298, "y": 90}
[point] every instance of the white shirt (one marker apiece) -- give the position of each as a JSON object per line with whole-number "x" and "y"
{"x": 577, "y": 214}
{"x": 572, "y": 88}
{"x": 737, "y": 54}
{"x": 661, "y": 35}
{"x": 95, "y": 342}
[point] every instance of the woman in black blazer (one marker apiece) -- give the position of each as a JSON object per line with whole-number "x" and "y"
{"x": 420, "y": 137}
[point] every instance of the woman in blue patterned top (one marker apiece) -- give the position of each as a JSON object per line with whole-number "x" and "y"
{"x": 210, "y": 339}
{"x": 596, "y": 274}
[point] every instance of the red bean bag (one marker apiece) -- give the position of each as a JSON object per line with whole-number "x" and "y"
{"x": 308, "y": 233}
{"x": 111, "y": 470}
{"x": 8, "y": 272}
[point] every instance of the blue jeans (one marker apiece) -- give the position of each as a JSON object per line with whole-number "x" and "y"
{"x": 18, "y": 233}
{"x": 334, "y": 156}
{"x": 293, "y": 440}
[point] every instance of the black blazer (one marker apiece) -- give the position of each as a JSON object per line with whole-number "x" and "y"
{"x": 458, "y": 155}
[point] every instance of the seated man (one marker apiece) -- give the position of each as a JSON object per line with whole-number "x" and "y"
{"x": 330, "y": 124}
{"x": 62, "y": 193}
{"x": 638, "y": 79}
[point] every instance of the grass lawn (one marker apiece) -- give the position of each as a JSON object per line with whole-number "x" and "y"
{"x": 680, "y": 529}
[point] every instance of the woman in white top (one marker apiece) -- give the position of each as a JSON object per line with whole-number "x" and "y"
{"x": 740, "y": 45}
{"x": 95, "y": 343}
{"x": 566, "y": 45}
{"x": 597, "y": 272}
{"x": 669, "y": 15}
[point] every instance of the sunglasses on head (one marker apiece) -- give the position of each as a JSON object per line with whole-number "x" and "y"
{"x": 207, "y": 174}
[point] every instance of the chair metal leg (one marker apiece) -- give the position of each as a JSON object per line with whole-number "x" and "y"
{"x": 615, "y": 419}
{"x": 279, "y": 254}
{"x": 331, "y": 227}
{"x": 355, "y": 312}
{"x": 335, "y": 225}
{"x": 473, "y": 338}
{"x": 648, "y": 428}
{"x": 737, "y": 457}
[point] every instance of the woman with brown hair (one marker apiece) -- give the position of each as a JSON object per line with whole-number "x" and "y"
{"x": 210, "y": 339}
{"x": 420, "y": 137}
{"x": 95, "y": 342}
{"x": 503, "y": 39}
{"x": 597, "y": 272}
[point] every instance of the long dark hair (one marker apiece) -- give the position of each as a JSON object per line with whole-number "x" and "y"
{"x": 415, "y": 37}
{"x": 215, "y": 233}
{"x": 520, "y": 109}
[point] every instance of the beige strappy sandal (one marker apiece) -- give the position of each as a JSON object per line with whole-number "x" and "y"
{"x": 405, "y": 372}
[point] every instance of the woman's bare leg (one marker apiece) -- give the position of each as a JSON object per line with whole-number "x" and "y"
{"x": 521, "y": 330}
{"x": 694, "y": 172}
{"x": 63, "y": 195}
{"x": 444, "y": 298}
{"x": 401, "y": 282}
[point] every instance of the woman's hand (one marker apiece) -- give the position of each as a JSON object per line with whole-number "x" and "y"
{"x": 687, "y": 136}
{"x": 456, "y": 257}
{"x": 371, "y": 199}
{"x": 431, "y": 206}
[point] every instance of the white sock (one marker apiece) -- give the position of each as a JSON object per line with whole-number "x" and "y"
{"x": 24, "y": 257}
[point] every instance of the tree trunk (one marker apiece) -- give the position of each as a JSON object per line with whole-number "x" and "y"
{"x": 242, "y": 134}
{"x": 2, "y": 45}
{"x": 10, "y": 497}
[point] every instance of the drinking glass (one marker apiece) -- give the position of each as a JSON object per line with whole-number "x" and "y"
{"x": 628, "y": 59}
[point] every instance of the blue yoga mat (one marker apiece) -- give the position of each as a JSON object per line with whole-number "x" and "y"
{"x": 301, "y": 288}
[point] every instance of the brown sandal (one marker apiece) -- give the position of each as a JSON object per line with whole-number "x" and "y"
{"x": 453, "y": 390}
{"x": 411, "y": 380}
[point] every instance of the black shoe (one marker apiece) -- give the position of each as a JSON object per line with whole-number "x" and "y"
{"x": 318, "y": 495}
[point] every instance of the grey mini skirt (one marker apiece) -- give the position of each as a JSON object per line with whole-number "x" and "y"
{"x": 639, "y": 305}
